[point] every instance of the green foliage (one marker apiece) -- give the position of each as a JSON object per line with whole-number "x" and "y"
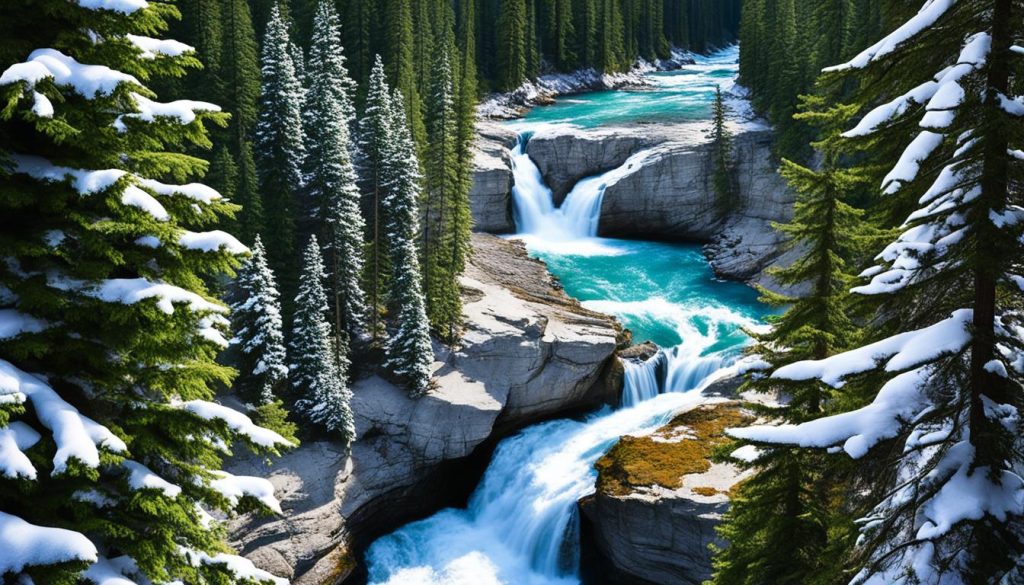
{"x": 131, "y": 330}
{"x": 723, "y": 175}
{"x": 787, "y": 515}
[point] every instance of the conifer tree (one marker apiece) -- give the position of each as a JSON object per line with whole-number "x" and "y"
{"x": 511, "y": 44}
{"x": 374, "y": 138}
{"x": 279, "y": 148}
{"x": 331, "y": 178}
{"x": 780, "y": 527}
{"x": 724, "y": 171}
{"x": 401, "y": 59}
{"x": 240, "y": 71}
{"x": 319, "y": 370}
{"x": 109, "y": 370}
{"x": 258, "y": 329}
{"x": 443, "y": 208}
{"x": 409, "y": 351}
{"x": 946, "y": 373}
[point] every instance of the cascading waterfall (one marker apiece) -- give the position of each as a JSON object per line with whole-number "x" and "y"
{"x": 521, "y": 527}
{"x": 577, "y": 218}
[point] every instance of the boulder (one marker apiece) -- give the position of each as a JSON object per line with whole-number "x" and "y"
{"x": 528, "y": 353}
{"x": 658, "y": 499}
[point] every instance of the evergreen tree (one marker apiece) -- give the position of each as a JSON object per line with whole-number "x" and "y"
{"x": 409, "y": 351}
{"x": 374, "y": 138}
{"x": 780, "y": 526}
{"x": 331, "y": 177}
{"x": 401, "y": 59}
{"x": 110, "y": 369}
{"x": 511, "y": 44}
{"x": 259, "y": 333}
{"x": 319, "y": 370}
{"x": 724, "y": 171}
{"x": 443, "y": 209}
{"x": 279, "y": 146}
{"x": 946, "y": 373}
{"x": 240, "y": 72}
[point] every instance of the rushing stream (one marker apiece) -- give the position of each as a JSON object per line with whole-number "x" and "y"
{"x": 520, "y": 527}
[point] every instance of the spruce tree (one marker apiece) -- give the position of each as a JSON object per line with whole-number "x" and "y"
{"x": 511, "y": 25}
{"x": 374, "y": 139}
{"x": 279, "y": 148}
{"x": 409, "y": 351}
{"x": 258, "y": 330}
{"x": 442, "y": 221}
{"x": 110, "y": 369}
{"x": 946, "y": 369}
{"x": 331, "y": 179}
{"x": 319, "y": 371}
{"x": 780, "y": 525}
{"x": 240, "y": 72}
{"x": 723, "y": 176}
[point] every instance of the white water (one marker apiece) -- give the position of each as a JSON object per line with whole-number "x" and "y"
{"x": 572, "y": 227}
{"x": 520, "y": 527}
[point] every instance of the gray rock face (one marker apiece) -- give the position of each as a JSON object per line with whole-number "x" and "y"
{"x": 566, "y": 157}
{"x": 661, "y": 541}
{"x": 491, "y": 194}
{"x": 528, "y": 353}
{"x": 668, "y": 196}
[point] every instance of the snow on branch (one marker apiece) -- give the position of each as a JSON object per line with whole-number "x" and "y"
{"x": 212, "y": 241}
{"x": 195, "y": 191}
{"x": 909, "y": 165}
{"x": 151, "y": 48}
{"x": 15, "y": 438}
{"x": 236, "y": 421}
{"x": 900, "y": 352}
{"x": 181, "y": 111}
{"x": 241, "y": 567}
{"x": 129, "y": 291}
{"x": 27, "y": 545}
{"x": 122, "y": 6}
{"x": 89, "y": 81}
{"x": 76, "y": 435}
{"x": 899, "y": 401}
{"x": 141, "y": 477}
{"x": 86, "y": 182}
{"x": 13, "y": 323}
{"x": 234, "y": 487}
{"x": 929, "y": 14}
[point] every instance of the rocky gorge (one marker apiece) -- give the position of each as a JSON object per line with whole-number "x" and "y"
{"x": 529, "y": 353}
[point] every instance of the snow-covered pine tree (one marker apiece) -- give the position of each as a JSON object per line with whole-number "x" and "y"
{"x": 409, "y": 351}
{"x": 112, "y": 444}
{"x": 331, "y": 179}
{"x": 327, "y": 58}
{"x": 374, "y": 142}
{"x": 780, "y": 525}
{"x": 279, "y": 147}
{"x": 319, "y": 372}
{"x": 258, "y": 330}
{"x": 443, "y": 219}
{"x": 952, "y": 508}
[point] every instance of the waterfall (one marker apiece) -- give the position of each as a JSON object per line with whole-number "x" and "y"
{"x": 579, "y": 215}
{"x": 521, "y": 526}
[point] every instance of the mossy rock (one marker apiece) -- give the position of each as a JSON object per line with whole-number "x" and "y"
{"x": 682, "y": 447}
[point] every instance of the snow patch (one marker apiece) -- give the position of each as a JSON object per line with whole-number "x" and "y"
{"x": 88, "y": 80}
{"x": 236, "y": 421}
{"x": 28, "y": 545}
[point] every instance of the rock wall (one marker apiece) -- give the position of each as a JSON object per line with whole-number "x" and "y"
{"x": 529, "y": 353}
{"x": 669, "y": 197}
